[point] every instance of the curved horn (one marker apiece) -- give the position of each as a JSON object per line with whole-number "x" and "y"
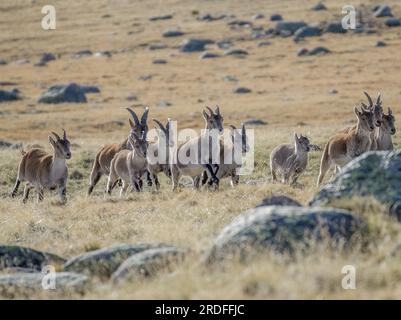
{"x": 64, "y": 135}
{"x": 378, "y": 101}
{"x": 160, "y": 125}
{"x": 217, "y": 111}
{"x": 56, "y": 135}
{"x": 144, "y": 118}
{"x": 369, "y": 99}
{"x": 134, "y": 116}
{"x": 364, "y": 107}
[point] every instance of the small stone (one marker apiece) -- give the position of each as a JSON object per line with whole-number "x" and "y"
{"x": 209, "y": 55}
{"x": 172, "y": 33}
{"x": 255, "y": 122}
{"x": 289, "y": 26}
{"x": 335, "y": 27}
{"x": 145, "y": 77}
{"x": 393, "y": 22}
{"x": 264, "y": 44}
{"x": 319, "y": 7}
{"x": 159, "y": 61}
{"x": 302, "y": 52}
{"x": 380, "y": 44}
{"x": 82, "y": 53}
{"x": 333, "y": 91}
{"x": 3, "y": 62}
{"x": 276, "y": 17}
{"x": 235, "y": 52}
{"x": 258, "y": 16}
{"x": 194, "y": 45}
{"x": 318, "y": 51}
{"x": 103, "y": 54}
{"x": 163, "y": 104}
{"x": 157, "y": 46}
{"x": 163, "y": 17}
{"x": 307, "y": 32}
{"x": 242, "y": 90}
{"x": 279, "y": 201}
{"x": 230, "y": 79}
{"x": 382, "y": 11}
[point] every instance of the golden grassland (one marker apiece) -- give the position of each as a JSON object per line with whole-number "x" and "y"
{"x": 290, "y": 93}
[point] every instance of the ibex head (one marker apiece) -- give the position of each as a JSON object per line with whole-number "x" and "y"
{"x": 138, "y": 143}
{"x": 302, "y": 143}
{"x": 165, "y": 132}
{"x": 61, "y": 146}
{"x": 375, "y": 108}
{"x": 388, "y": 122}
{"x": 214, "y": 120}
{"x": 139, "y": 127}
{"x": 365, "y": 118}
{"x": 243, "y": 138}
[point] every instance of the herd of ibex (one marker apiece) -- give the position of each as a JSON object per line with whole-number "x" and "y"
{"x": 127, "y": 162}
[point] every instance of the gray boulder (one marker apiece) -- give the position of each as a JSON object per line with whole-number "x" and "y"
{"x": 289, "y": 26}
{"x": 12, "y": 95}
{"x": 373, "y": 174}
{"x": 104, "y": 262}
{"x": 393, "y": 22}
{"x": 307, "y": 31}
{"x": 283, "y": 229}
{"x": 22, "y": 285}
{"x": 21, "y": 257}
{"x": 279, "y": 201}
{"x": 382, "y": 11}
{"x": 194, "y": 45}
{"x": 335, "y": 27}
{"x": 71, "y": 92}
{"x": 148, "y": 263}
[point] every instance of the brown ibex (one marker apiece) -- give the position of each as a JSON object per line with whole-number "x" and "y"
{"x": 387, "y": 129}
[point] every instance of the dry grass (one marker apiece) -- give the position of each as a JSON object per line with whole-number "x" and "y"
{"x": 286, "y": 90}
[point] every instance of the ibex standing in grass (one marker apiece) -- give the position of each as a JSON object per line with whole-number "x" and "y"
{"x": 195, "y": 168}
{"x": 386, "y": 130}
{"x": 42, "y": 170}
{"x": 345, "y": 146}
{"x": 103, "y": 158}
{"x": 157, "y": 150}
{"x": 290, "y": 160}
{"x": 129, "y": 165}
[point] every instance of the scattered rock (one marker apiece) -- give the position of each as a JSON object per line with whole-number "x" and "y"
{"x": 145, "y": 77}
{"x": 194, "y": 45}
{"x": 209, "y": 18}
{"x": 103, "y": 54}
{"x": 172, "y": 33}
{"x": 335, "y": 27}
{"x": 302, "y": 52}
{"x": 230, "y": 78}
{"x": 242, "y": 90}
{"x": 148, "y": 263}
{"x": 307, "y": 31}
{"x": 235, "y": 52}
{"x": 46, "y": 57}
{"x": 382, "y": 11}
{"x": 157, "y": 46}
{"x": 283, "y": 229}
{"x": 3, "y": 62}
{"x": 393, "y": 22}
{"x": 8, "y": 145}
{"x": 21, "y": 257}
{"x": 283, "y": 27}
{"x": 224, "y": 44}
{"x": 319, "y": 7}
{"x": 163, "y": 104}
{"x": 132, "y": 97}
{"x": 333, "y": 91}
{"x": 279, "y": 201}
{"x": 318, "y": 51}
{"x": 159, "y": 61}
{"x": 12, "y": 95}
{"x": 17, "y": 285}
{"x": 276, "y": 17}
{"x": 240, "y": 24}
{"x": 258, "y": 16}
{"x": 163, "y": 17}
{"x": 104, "y": 262}
{"x": 376, "y": 174}
{"x": 255, "y": 122}
{"x": 209, "y": 55}
{"x": 380, "y": 44}
{"x": 64, "y": 93}
{"x": 82, "y": 53}
{"x": 264, "y": 44}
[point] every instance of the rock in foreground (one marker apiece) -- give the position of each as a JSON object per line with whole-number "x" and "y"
{"x": 283, "y": 229}
{"x": 373, "y": 174}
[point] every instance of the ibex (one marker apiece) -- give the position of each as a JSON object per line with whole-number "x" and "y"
{"x": 42, "y": 170}
{"x": 230, "y": 159}
{"x": 129, "y": 165}
{"x": 195, "y": 168}
{"x": 345, "y": 146}
{"x": 103, "y": 158}
{"x": 387, "y": 129}
{"x": 290, "y": 160}
{"x": 158, "y": 149}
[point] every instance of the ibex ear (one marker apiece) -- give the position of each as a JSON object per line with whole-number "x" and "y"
{"x": 357, "y": 112}
{"x": 390, "y": 112}
{"x": 131, "y": 124}
{"x": 52, "y": 142}
{"x": 295, "y": 137}
{"x": 205, "y": 115}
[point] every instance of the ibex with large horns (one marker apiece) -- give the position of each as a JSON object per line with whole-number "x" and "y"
{"x": 103, "y": 158}
{"x": 42, "y": 170}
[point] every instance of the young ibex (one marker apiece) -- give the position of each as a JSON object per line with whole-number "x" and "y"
{"x": 160, "y": 148}
{"x": 387, "y": 129}
{"x": 290, "y": 160}
{"x": 229, "y": 158}
{"x": 195, "y": 167}
{"x": 129, "y": 165}
{"x": 103, "y": 158}
{"x": 42, "y": 170}
{"x": 345, "y": 146}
